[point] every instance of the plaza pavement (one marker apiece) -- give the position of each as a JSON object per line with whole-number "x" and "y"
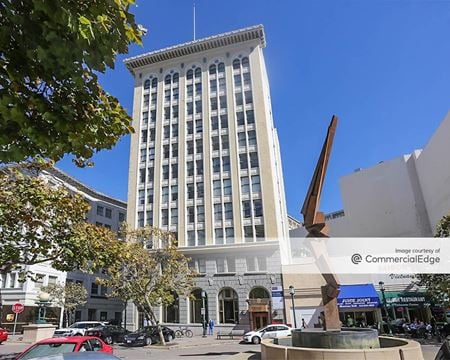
{"x": 194, "y": 348}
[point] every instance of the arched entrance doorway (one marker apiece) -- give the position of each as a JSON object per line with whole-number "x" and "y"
{"x": 171, "y": 313}
{"x": 228, "y": 306}
{"x": 196, "y": 304}
{"x": 259, "y": 307}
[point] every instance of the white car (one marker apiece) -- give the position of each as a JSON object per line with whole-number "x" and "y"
{"x": 268, "y": 332}
{"x": 78, "y": 328}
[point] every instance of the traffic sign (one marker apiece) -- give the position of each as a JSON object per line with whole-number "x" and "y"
{"x": 17, "y": 308}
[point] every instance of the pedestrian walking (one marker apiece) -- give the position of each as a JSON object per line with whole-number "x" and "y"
{"x": 211, "y": 327}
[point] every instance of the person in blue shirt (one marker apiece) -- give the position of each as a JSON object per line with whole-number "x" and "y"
{"x": 211, "y": 327}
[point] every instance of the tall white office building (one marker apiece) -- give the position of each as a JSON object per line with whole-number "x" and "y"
{"x": 205, "y": 164}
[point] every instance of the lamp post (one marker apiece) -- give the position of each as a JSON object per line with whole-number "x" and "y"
{"x": 203, "y": 313}
{"x": 388, "y": 319}
{"x": 42, "y": 303}
{"x": 292, "y": 292}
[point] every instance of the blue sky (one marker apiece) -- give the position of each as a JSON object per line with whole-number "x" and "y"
{"x": 382, "y": 66}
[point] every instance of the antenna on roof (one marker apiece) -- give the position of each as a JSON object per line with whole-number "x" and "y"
{"x": 194, "y": 17}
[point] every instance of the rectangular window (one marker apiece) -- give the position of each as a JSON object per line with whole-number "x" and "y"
{"x": 152, "y": 134}
{"x": 200, "y": 191}
{"x": 198, "y": 107}
{"x": 12, "y": 281}
{"x": 248, "y": 233}
{"x": 190, "y": 191}
{"x": 150, "y": 218}
{"x": 200, "y": 213}
{"x": 217, "y": 212}
{"x": 248, "y": 97}
{"x": 243, "y": 163}
{"x": 214, "y": 123}
{"x": 108, "y": 213}
{"x": 94, "y": 288}
{"x": 190, "y": 108}
{"x": 165, "y": 172}
{"x": 166, "y": 131}
{"x": 151, "y": 154}
{"x": 217, "y": 188}
{"x": 200, "y": 237}
{"x": 121, "y": 217}
{"x": 225, "y": 142}
{"x": 198, "y": 126}
{"x": 165, "y": 217}
{"x": 216, "y": 165}
{"x": 174, "y": 192}
{"x": 245, "y": 185}
{"x": 198, "y": 88}
{"x": 226, "y": 163}
{"x": 190, "y": 147}
{"x": 237, "y": 80}
{"x": 174, "y": 216}
{"x": 241, "y": 139}
{"x": 141, "y": 219}
{"x": 228, "y": 211}
{"x": 240, "y": 118}
{"x": 224, "y": 121}
{"x": 167, "y": 110}
{"x": 103, "y": 314}
{"x": 166, "y": 151}
{"x": 100, "y": 210}
{"x": 151, "y": 173}
{"x": 199, "y": 146}
{"x": 213, "y": 103}
{"x": 213, "y": 85}
{"x": 190, "y": 127}
{"x": 257, "y": 208}
{"x": 144, "y": 134}
{"x": 259, "y": 231}
{"x": 231, "y": 265}
{"x": 256, "y": 184}
{"x": 150, "y": 196}
{"x": 167, "y": 95}
{"x": 262, "y": 263}
{"x": 229, "y": 233}
{"x": 191, "y": 237}
{"x": 174, "y": 171}
{"x": 190, "y": 90}
{"x": 141, "y": 197}
{"x": 252, "y": 138}
{"x": 247, "y": 79}
{"x": 190, "y": 168}
{"x": 226, "y": 187}
{"x": 175, "y": 96}
{"x": 220, "y": 265}
{"x": 165, "y": 194}
{"x": 199, "y": 166}
{"x": 239, "y": 99}
{"x": 222, "y": 86}
{"x": 175, "y": 150}
{"x": 143, "y": 155}
{"x": 253, "y": 160}
{"x": 246, "y": 209}
{"x": 145, "y": 117}
{"x": 219, "y": 236}
{"x": 190, "y": 214}
{"x": 201, "y": 266}
{"x": 223, "y": 101}
{"x": 251, "y": 264}
{"x": 250, "y": 117}
{"x": 215, "y": 143}
{"x": 174, "y": 130}
{"x": 146, "y": 100}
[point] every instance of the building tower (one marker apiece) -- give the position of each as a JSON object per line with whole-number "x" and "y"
{"x": 205, "y": 164}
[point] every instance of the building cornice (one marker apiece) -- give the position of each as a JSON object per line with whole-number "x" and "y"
{"x": 233, "y": 37}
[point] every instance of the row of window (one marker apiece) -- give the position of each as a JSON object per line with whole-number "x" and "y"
{"x": 228, "y": 264}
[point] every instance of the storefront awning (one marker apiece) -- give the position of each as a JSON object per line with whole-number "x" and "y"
{"x": 358, "y": 296}
{"x": 399, "y": 298}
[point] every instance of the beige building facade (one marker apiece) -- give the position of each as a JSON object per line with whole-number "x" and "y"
{"x": 205, "y": 164}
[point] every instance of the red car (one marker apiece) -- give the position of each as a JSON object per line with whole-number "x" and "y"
{"x": 61, "y": 345}
{"x": 3, "y": 335}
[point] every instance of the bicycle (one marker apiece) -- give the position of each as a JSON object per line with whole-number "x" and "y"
{"x": 183, "y": 332}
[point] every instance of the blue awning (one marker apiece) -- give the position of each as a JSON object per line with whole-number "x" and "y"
{"x": 358, "y": 296}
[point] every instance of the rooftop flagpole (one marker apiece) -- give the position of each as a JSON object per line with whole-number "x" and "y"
{"x": 194, "y": 18}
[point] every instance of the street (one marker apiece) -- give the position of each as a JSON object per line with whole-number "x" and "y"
{"x": 194, "y": 348}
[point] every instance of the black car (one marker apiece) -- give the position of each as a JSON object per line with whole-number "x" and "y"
{"x": 108, "y": 333}
{"x": 148, "y": 335}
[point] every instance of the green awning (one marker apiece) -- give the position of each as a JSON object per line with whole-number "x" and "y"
{"x": 402, "y": 298}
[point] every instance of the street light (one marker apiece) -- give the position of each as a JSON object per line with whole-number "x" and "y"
{"x": 43, "y": 302}
{"x": 292, "y": 292}
{"x": 203, "y": 313}
{"x": 388, "y": 319}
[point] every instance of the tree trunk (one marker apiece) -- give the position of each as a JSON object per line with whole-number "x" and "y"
{"x": 156, "y": 322}
{"x": 1, "y": 306}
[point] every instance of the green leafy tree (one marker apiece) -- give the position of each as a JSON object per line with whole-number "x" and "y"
{"x": 149, "y": 277}
{"x": 51, "y": 102}
{"x": 438, "y": 285}
{"x": 40, "y": 223}
{"x": 67, "y": 297}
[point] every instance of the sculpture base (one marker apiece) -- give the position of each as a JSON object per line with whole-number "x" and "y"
{"x": 347, "y": 338}
{"x": 36, "y": 332}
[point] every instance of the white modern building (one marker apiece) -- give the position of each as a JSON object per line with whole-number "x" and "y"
{"x": 104, "y": 211}
{"x": 205, "y": 164}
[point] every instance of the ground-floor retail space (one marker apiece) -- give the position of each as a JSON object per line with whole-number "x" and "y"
{"x": 407, "y": 306}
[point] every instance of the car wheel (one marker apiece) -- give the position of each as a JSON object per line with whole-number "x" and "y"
{"x": 109, "y": 340}
{"x": 256, "y": 340}
{"x": 169, "y": 338}
{"x": 147, "y": 341}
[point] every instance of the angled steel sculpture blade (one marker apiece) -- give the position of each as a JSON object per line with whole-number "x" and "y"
{"x": 314, "y": 222}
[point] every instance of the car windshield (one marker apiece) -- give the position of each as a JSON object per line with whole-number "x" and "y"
{"x": 48, "y": 349}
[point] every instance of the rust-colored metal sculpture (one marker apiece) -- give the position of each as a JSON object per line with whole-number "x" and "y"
{"x": 314, "y": 222}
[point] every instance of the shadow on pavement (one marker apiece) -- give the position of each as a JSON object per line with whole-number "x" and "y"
{"x": 224, "y": 353}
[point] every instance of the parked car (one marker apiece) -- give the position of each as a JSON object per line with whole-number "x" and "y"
{"x": 268, "y": 332}
{"x": 148, "y": 335}
{"x": 78, "y": 328}
{"x": 52, "y": 346}
{"x": 3, "y": 335}
{"x": 92, "y": 355}
{"x": 108, "y": 333}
